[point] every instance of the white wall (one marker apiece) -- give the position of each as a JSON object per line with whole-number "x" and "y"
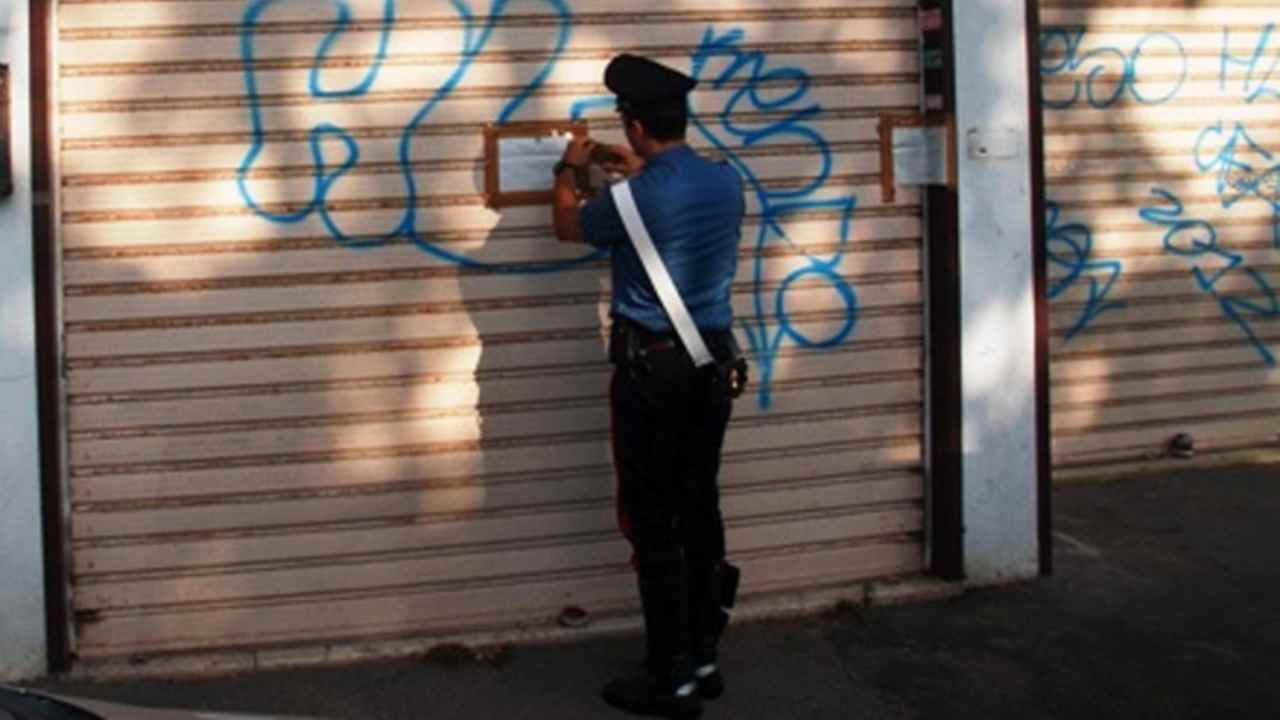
{"x": 22, "y": 610}
{"x": 997, "y": 300}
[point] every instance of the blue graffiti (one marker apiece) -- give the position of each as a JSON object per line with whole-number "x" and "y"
{"x": 1238, "y": 177}
{"x": 583, "y": 106}
{"x": 780, "y": 90}
{"x": 1070, "y": 247}
{"x": 1198, "y": 240}
{"x": 476, "y": 36}
{"x": 335, "y": 152}
{"x": 1258, "y": 72}
{"x": 1105, "y": 65}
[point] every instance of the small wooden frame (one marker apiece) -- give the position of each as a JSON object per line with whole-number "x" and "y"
{"x": 889, "y": 123}
{"x": 525, "y": 170}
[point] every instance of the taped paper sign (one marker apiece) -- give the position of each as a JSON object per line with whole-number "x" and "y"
{"x": 519, "y": 159}
{"x": 920, "y": 155}
{"x": 916, "y": 150}
{"x": 525, "y": 163}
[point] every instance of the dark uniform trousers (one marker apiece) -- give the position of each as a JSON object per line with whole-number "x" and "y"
{"x": 669, "y": 424}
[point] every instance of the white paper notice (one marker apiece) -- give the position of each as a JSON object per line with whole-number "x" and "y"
{"x": 920, "y": 155}
{"x": 525, "y": 163}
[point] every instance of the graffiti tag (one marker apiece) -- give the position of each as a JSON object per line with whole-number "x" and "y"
{"x": 1109, "y": 72}
{"x": 1070, "y": 247}
{"x": 1197, "y": 241}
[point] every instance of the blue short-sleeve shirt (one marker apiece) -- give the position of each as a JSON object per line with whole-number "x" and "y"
{"x": 693, "y": 209}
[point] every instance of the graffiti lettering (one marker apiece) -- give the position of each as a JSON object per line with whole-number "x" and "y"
{"x": 1110, "y": 72}
{"x": 335, "y": 151}
{"x": 1198, "y": 240}
{"x": 1260, "y": 70}
{"x": 1070, "y": 247}
{"x": 1244, "y": 169}
{"x": 326, "y": 174}
{"x": 782, "y": 91}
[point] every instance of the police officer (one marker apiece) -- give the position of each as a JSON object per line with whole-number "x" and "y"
{"x": 669, "y": 418}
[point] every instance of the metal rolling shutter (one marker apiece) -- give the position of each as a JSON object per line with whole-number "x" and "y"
{"x": 280, "y": 435}
{"x": 1165, "y": 322}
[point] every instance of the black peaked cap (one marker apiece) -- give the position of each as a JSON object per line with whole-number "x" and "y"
{"x": 640, "y": 82}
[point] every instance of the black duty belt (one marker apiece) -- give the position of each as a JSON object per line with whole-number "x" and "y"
{"x": 628, "y": 339}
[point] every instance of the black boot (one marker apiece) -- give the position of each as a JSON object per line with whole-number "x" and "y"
{"x": 711, "y": 590}
{"x": 655, "y": 694}
{"x": 666, "y": 687}
{"x": 710, "y": 681}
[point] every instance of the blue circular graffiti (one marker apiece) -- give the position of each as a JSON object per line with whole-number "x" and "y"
{"x": 476, "y": 36}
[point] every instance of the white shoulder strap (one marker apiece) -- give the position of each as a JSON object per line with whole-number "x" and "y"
{"x": 658, "y": 275}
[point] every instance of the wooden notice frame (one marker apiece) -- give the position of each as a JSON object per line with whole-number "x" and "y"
{"x": 494, "y": 135}
{"x": 889, "y": 122}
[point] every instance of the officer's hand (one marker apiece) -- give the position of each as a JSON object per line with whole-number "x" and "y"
{"x": 578, "y": 152}
{"x": 617, "y": 159}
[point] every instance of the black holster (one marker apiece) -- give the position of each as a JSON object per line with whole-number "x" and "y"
{"x": 730, "y": 375}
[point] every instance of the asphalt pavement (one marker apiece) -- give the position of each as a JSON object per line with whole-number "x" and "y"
{"x": 1164, "y": 603}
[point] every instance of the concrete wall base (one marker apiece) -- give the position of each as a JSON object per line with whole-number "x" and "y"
{"x": 765, "y": 606}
